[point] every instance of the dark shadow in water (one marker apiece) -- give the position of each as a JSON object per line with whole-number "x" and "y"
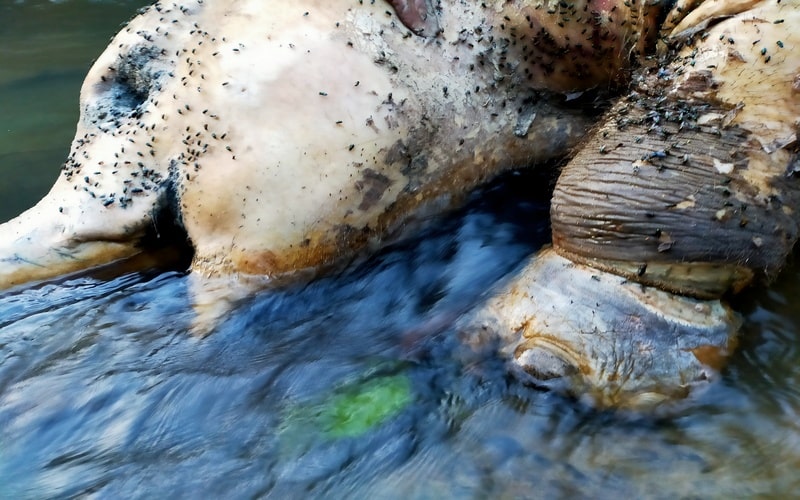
{"x": 103, "y": 388}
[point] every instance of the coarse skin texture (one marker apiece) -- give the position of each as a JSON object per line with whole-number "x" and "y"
{"x": 291, "y": 136}
{"x": 286, "y": 138}
{"x": 688, "y": 186}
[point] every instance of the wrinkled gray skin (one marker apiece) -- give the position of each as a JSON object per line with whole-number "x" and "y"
{"x": 286, "y": 138}
{"x": 685, "y": 193}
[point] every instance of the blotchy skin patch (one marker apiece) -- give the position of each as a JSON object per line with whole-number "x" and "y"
{"x": 199, "y": 112}
{"x": 283, "y": 139}
{"x": 413, "y": 13}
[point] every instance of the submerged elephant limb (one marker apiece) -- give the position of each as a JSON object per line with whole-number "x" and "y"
{"x": 685, "y": 193}
{"x": 605, "y": 339}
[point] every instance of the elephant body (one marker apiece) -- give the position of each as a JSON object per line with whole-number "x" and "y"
{"x": 282, "y": 140}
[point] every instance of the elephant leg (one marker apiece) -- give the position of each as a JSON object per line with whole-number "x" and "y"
{"x": 689, "y": 183}
{"x": 686, "y": 193}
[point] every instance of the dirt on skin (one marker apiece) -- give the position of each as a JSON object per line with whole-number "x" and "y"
{"x": 175, "y": 134}
{"x": 689, "y": 183}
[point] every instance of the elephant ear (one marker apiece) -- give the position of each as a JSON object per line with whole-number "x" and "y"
{"x": 417, "y": 15}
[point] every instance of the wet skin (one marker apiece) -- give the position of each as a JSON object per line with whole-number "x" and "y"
{"x": 173, "y": 129}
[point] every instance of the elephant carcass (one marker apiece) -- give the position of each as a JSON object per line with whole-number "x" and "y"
{"x": 290, "y": 136}
{"x": 286, "y": 138}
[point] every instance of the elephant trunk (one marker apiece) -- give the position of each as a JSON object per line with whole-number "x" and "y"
{"x": 70, "y": 230}
{"x": 690, "y": 183}
{"x": 665, "y": 194}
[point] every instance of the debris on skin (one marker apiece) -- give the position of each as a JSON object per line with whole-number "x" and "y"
{"x": 524, "y": 63}
{"x": 505, "y": 72}
{"x": 147, "y": 128}
{"x": 716, "y": 112}
{"x": 519, "y": 55}
{"x": 129, "y": 107}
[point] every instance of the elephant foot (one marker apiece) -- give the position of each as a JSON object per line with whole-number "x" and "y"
{"x": 602, "y": 338}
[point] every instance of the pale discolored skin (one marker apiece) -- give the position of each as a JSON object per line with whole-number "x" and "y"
{"x": 291, "y": 136}
{"x": 600, "y": 337}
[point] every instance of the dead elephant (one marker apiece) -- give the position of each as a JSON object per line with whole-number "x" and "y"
{"x": 285, "y": 139}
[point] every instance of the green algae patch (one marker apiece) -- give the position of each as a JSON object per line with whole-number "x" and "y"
{"x": 349, "y": 411}
{"x": 358, "y": 409}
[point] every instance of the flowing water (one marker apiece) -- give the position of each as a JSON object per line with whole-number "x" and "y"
{"x": 351, "y": 387}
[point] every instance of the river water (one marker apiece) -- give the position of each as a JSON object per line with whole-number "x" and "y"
{"x": 351, "y": 387}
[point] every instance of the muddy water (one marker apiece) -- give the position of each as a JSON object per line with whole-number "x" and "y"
{"x": 351, "y": 387}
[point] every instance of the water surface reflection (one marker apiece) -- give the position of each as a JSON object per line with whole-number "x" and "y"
{"x": 47, "y": 47}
